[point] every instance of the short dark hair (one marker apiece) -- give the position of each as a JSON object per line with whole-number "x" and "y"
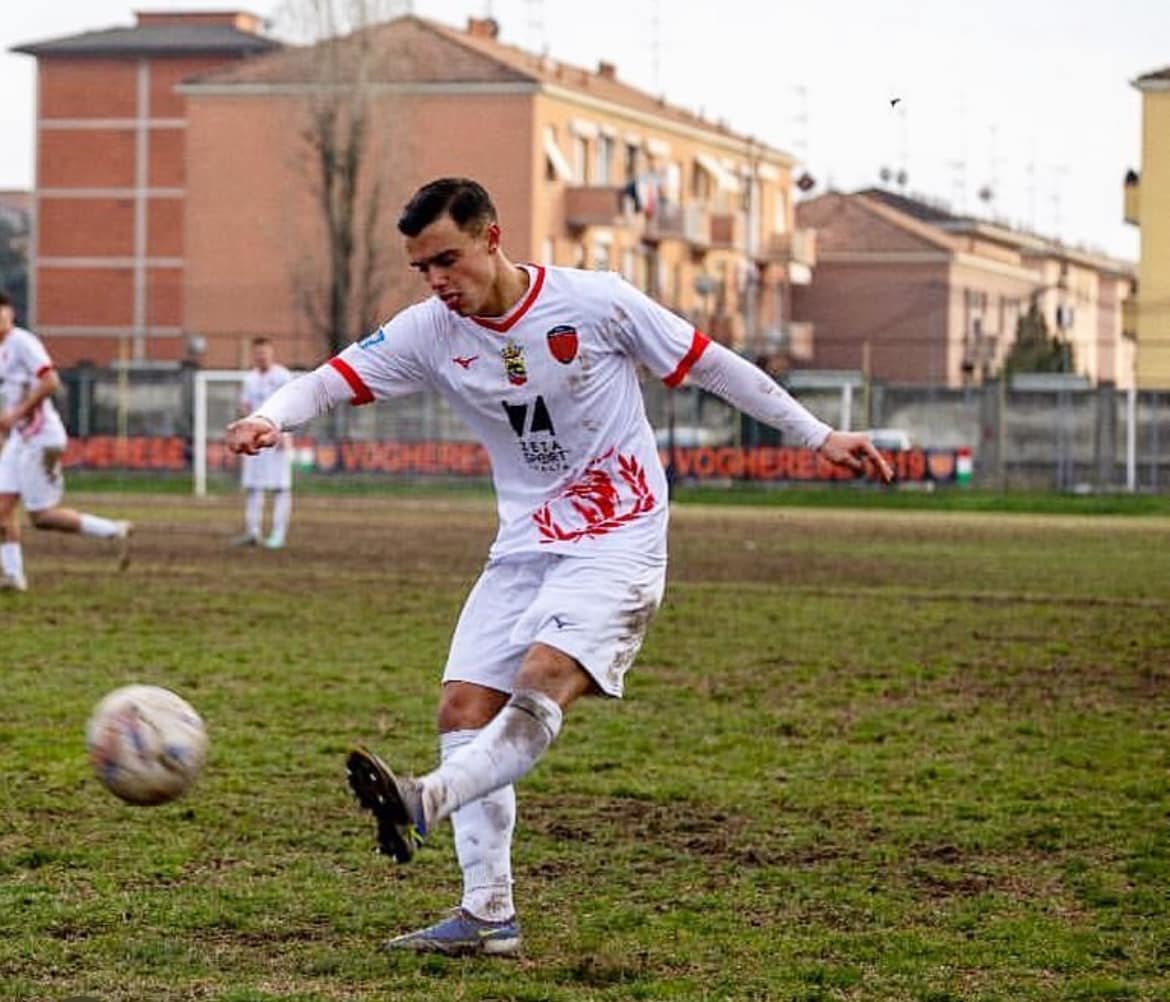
{"x": 465, "y": 201}
{"x": 261, "y": 339}
{"x": 5, "y": 299}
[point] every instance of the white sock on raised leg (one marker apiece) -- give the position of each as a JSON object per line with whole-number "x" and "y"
{"x": 499, "y": 755}
{"x": 483, "y": 843}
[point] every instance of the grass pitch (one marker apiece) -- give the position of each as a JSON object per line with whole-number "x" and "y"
{"x": 864, "y": 755}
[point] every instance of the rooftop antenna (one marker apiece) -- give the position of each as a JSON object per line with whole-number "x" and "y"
{"x": 1058, "y": 171}
{"x": 800, "y": 123}
{"x": 535, "y": 18}
{"x": 1030, "y": 172}
{"x": 904, "y": 140}
{"x": 959, "y": 166}
{"x": 989, "y": 190}
{"x": 656, "y": 45}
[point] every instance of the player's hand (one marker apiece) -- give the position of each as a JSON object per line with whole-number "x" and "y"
{"x": 251, "y": 434}
{"x": 853, "y": 449}
{"x": 8, "y": 421}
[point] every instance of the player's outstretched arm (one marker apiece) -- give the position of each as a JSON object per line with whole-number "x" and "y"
{"x": 853, "y": 449}
{"x": 295, "y": 403}
{"x": 758, "y": 395}
{"x": 249, "y": 435}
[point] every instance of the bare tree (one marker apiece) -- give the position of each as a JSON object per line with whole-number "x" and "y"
{"x": 345, "y": 168}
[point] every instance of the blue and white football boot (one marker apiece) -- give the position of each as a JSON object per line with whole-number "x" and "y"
{"x": 461, "y": 934}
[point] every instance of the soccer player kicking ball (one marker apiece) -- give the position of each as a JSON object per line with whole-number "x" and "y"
{"x": 34, "y": 441}
{"x": 541, "y": 363}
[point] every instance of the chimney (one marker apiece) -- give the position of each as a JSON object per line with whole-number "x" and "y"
{"x": 238, "y": 19}
{"x": 483, "y": 27}
{"x": 606, "y": 70}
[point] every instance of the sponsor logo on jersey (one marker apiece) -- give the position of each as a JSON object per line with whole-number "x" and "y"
{"x": 514, "y": 366}
{"x": 464, "y": 360}
{"x": 372, "y": 339}
{"x": 562, "y": 342}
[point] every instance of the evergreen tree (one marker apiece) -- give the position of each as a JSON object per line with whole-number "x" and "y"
{"x": 1035, "y": 349}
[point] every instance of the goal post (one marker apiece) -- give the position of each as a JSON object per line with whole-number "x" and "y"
{"x": 205, "y": 380}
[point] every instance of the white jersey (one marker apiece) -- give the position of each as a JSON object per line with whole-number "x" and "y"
{"x": 23, "y": 360}
{"x": 259, "y": 386}
{"x": 551, "y": 390}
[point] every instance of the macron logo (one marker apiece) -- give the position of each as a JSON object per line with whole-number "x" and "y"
{"x": 465, "y": 362}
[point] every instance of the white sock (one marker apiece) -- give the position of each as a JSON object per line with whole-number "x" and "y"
{"x": 253, "y": 513}
{"x": 11, "y": 560}
{"x": 483, "y": 843}
{"x": 499, "y": 755}
{"x": 95, "y": 525}
{"x": 281, "y": 511}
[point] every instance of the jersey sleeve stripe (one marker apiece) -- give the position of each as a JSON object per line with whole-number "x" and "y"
{"x": 43, "y": 369}
{"x": 698, "y": 345}
{"x": 361, "y": 392}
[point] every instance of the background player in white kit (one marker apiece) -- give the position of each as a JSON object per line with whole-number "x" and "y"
{"x": 542, "y": 365}
{"x": 270, "y": 470}
{"x": 30, "y": 459}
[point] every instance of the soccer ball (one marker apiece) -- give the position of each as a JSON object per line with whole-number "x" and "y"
{"x": 146, "y": 744}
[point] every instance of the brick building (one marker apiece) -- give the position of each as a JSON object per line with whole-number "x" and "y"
{"x": 910, "y": 293}
{"x": 111, "y": 181}
{"x": 586, "y": 171}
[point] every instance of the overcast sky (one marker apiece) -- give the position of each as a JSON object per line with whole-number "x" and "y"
{"x": 1031, "y": 99}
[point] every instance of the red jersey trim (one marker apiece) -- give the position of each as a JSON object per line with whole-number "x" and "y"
{"x": 361, "y": 392}
{"x": 503, "y": 326}
{"x": 45, "y": 368}
{"x": 698, "y": 345}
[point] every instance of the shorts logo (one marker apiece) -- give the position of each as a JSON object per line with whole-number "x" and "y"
{"x": 562, "y": 342}
{"x": 514, "y": 366}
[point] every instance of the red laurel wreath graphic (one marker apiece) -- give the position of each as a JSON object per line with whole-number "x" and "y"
{"x": 595, "y": 498}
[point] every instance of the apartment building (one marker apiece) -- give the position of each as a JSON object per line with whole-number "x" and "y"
{"x": 910, "y": 293}
{"x": 1147, "y": 205}
{"x": 586, "y": 171}
{"x": 108, "y": 246}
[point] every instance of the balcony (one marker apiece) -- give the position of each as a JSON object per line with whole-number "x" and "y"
{"x": 726, "y": 231}
{"x": 671, "y": 221}
{"x": 794, "y": 247}
{"x": 598, "y": 206}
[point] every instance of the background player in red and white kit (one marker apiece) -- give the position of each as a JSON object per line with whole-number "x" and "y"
{"x": 270, "y": 470}
{"x": 30, "y": 460}
{"x": 542, "y": 365}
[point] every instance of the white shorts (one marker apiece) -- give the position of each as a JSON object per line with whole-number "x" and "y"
{"x": 593, "y": 608}
{"x": 33, "y": 470}
{"x": 268, "y": 470}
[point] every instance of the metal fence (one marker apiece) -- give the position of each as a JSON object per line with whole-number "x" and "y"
{"x": 1059, "y": 436}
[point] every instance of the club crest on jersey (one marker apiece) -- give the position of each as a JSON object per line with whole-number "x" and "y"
{"x": 562, "y": 342}
{"x": 514, "y": 366}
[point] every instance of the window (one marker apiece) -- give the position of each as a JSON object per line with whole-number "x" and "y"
{"x": 629, "y": 265}
{"x": 604, "y": 175}
{"x": 631, "y": 162}
{"x": 701, "y": 186}
{"x": 580, "y": 160}
{"x": 779, "y": 212}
